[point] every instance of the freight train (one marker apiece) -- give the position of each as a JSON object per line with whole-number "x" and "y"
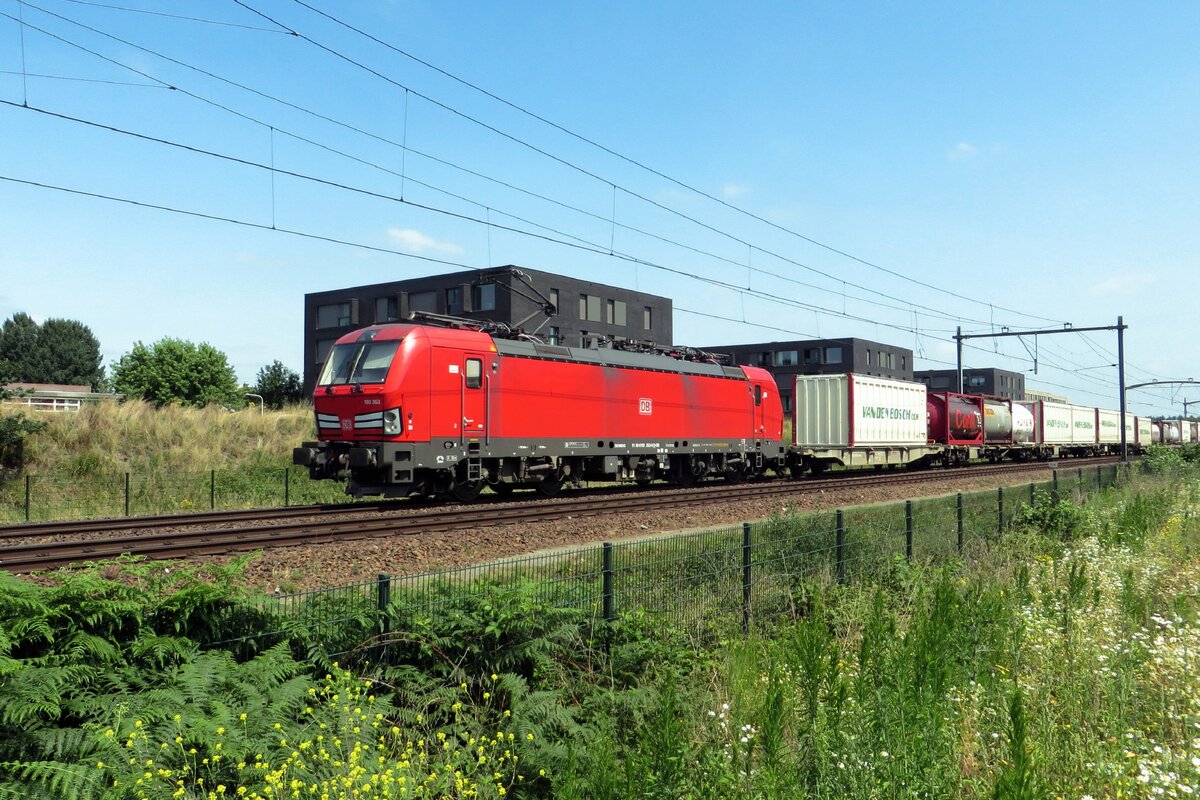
{"x": 448, "y": 409}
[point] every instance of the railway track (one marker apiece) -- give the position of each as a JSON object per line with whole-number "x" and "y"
{"x": 32, "y": 548}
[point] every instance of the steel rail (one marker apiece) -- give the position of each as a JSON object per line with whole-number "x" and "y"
{"x": 170, "y": 543}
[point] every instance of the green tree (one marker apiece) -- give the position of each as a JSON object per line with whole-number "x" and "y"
{"x": 177, "y": 371}
{"x": 278, "y": 385}
{"x": 57, "y": 351}
{"x": 18, "y": 343}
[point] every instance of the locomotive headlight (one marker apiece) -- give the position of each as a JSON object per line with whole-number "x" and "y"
{"x": 392, "y": 423}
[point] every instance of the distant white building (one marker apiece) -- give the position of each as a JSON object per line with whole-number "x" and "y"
{"x": 1034, "y": 394}
{"x": 55, "y": 396}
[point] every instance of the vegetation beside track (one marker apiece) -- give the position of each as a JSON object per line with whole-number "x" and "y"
{"x": 1058, "y": 662}
{"x": 174, "y": 459}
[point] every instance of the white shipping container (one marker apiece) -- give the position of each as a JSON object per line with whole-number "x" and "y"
{"x": 1145, "y": 435}
{"x": 1083, "y": 425}
{"x": 1057, "y": 424}
{"x": 1109, "y": 429}
{"x": 858, "y": 410}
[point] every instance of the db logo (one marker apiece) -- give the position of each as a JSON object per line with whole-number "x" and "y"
{"x": 644, "y": 406}
{"x": 347, "y": 424}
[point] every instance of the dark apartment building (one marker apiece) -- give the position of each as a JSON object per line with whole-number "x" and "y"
{"x": 585, "y": 308}
{"x": 997, "y": 382}
{"x": 821, "y": 357}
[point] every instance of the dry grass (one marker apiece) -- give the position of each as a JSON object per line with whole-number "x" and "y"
{"x": 137, "y": 437}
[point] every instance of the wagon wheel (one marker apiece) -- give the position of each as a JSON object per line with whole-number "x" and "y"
{"x": 550, "y": 486}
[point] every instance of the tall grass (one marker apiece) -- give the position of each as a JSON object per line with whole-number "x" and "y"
{"x": 137, "y": 437}
{"x": 1062, "y": 664}
{"x": 113, "y": 458}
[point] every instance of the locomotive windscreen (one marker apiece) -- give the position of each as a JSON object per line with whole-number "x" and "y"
{"x": 358, "y": 362}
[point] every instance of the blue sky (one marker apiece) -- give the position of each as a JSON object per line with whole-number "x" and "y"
{"x": 781, "y": 170}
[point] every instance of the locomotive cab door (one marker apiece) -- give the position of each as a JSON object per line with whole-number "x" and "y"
{"x": 474, "y": 398}
{"x": 760, "y": 423}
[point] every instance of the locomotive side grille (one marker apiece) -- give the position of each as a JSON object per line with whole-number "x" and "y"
{"x": 327, "y": 422}
{"x": 368, "y": 421}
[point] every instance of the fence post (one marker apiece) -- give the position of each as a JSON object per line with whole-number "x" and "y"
{"x": 841, "y": 547}
{"x": 908, "y": 530}
{"x": 127, "y": 494}
{"x": 212, "y": 489}
{"x": 383, "y": 600}
{"x": 1054, "y": 491}
{"x": 1099, "y": 477}
{"x": 287, "y": 481}
{"x": 1000, "y": 511}
{"x": 27, "y": 497}
{"x": 746, "y": 558}
{"x": 610, "y": 613}
{"x": 960, "y": 523}
{"x": 1032, "y": 493}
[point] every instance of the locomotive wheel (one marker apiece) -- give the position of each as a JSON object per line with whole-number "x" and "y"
{"x": 466, "y": 491}
{"x": 735, "y": 476}
{"x": 549, "y": 487}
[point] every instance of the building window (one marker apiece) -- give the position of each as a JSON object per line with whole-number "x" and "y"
{"x": 454, "y": 300}
{"x": 833, "y": 355}
{"x": 334, "y": 315}
{"x": 646, "y": 318}
{"x": 589, "y": 307}
{"x": 483, "y": 297}
{"x": 891, "y": 360}
{"x": 903, "y": 362}
{"x": 387, "y": 309}
{"x": 554, "y": 299}
{"x": 868, "y": 356}
{"x": 977, "y": 380}
{"x": 615, "y": 312}
{"x": 423, "y": 301}
{"x": 322, "y": 350}
{"x": 765, "y": 359}
{"x": 583, "y": 338}
{"x": 787, "y": 404}
{"x": 786, "y": 358}
{"x": 812, "y": 355}
{"x": 552, "y": 335}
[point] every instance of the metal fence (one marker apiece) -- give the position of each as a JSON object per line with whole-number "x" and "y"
{"x": 90, "y": 495}
{"x": 726, "y": 578}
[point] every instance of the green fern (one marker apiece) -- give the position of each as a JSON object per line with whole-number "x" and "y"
{"x": 52, "y": 779}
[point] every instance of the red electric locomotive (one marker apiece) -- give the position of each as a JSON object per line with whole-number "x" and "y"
{"x": 416, "y": 409}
